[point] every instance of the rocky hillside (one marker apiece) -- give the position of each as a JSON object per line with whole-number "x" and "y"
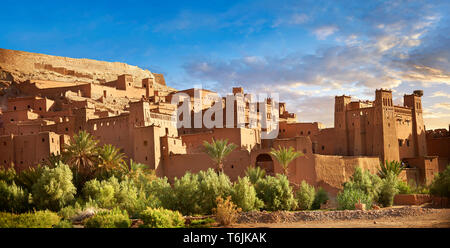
{"x": 19, "y": 66}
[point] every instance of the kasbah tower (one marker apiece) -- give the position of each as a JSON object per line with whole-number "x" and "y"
{"x": 45, "y": 100}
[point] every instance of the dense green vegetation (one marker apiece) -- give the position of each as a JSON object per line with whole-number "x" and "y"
{"x": 91, "y": 179}
{"x": 115, "y": 218}
{"x": 161, "y": 218}
{"x": 441, "y": 184}
{"x": 38, "y": 219}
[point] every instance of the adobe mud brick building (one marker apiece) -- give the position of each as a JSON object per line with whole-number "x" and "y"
{"x": 46, "y": 99}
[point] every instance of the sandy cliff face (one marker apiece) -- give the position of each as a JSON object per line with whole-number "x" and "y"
{"x": 19, "y": 66}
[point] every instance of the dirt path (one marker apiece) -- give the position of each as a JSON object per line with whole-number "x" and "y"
{"x": 436, "y": 219}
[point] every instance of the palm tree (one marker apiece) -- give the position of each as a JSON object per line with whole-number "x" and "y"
{"x": 285, "y": 156}
{"x": 134, "y": 166}
{"x": 393, "y": 167}
{"x": 140, "y": 173}
{"x": 255, "y": 173}
{"x": 82, "y": 153}
{"x": 110, "y": 158}
{"x": 53, "y": 160}
{"x": 218, "y": 150}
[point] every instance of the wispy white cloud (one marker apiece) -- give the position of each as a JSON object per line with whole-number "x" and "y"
{"x": 323, "y": 32}
{"x": 293, "y": 19}
{"x": 389, "y": 47}
{"x": 441, "y": 94}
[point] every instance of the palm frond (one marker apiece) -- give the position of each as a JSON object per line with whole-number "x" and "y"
{"x": 394, "y": 167}
{"x": 217, "y": 150}
{"x": 285, "y": 156}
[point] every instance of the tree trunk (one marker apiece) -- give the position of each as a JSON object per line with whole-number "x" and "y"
{"x": 220, "y": 168}
{"x": 286, "y": 171}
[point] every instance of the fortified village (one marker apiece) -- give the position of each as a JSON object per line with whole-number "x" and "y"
{"x": 45, "y": 100}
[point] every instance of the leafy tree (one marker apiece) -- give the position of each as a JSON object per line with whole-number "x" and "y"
{"x": 217, "y": 150}
{"x": 13, "y": 198}
{"x": 112, "y": 193}
{"x": 54, "y": 189}
{"x": 186, "y": 196}
{"x": 162, "y": 194}
{"x": 285, "y": 156}
{"x": 367, "y": 182}
{"x": 320, "y": 198}
{"x": 211, "y": 186}
{"x": 27, "y": 178}
{"x": 441, "y": 184}
{"x": 276, "y": 193}
{"x": 305, "y": 196}
{"x": 244, "y": 195}
{"x": 8, "y": 174}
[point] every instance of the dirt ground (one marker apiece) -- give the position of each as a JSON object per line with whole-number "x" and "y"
{"x": 438, "y": 219}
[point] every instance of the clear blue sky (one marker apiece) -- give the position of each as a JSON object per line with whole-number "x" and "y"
{"x": 308, "y": 51}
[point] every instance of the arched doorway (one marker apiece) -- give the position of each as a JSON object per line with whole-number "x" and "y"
{"x": 264, "y": 161}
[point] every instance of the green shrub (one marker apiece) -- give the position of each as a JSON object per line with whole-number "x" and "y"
{"x": 161, "y": 218}
{"x": 255, "y": 173}
{"x": 349, "y": 196}
{"x": 244, "y": 195}
{"x": 362, "y": 186}
{"x": 211, "y": 186}
{"x": 127, "y": 197}
{"x": 38, "y": 219}
{"x": 27, "y": 178}
{"x": 102, "y": 192}
{"x": 276, "y": 193}
{"x": 196, "y": 193}
{"x": 203, "y": 223}
{"x": 403, "y": 187}
{"x": 305, "y": 196}
{"x": 115, "y": 218}
{"x": 112, "y": 193}
{"x": 186, "y": 194}
{"x": 8, "y": 175}
{"x": 140, "y": 174}
{"x": 67, "y": 213}
{"x": 54, "y": 188}
{"x": 160, "y": 193}
{"x": 368, "y": 183}
{"x": 64, "y": 224}
{"x": 441, "y": 184}
{"x": 418, "y": 188}
{"x": 388, "y": 189}
{"x": 13, "y": 198}
{"x": 320, "y": 198}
